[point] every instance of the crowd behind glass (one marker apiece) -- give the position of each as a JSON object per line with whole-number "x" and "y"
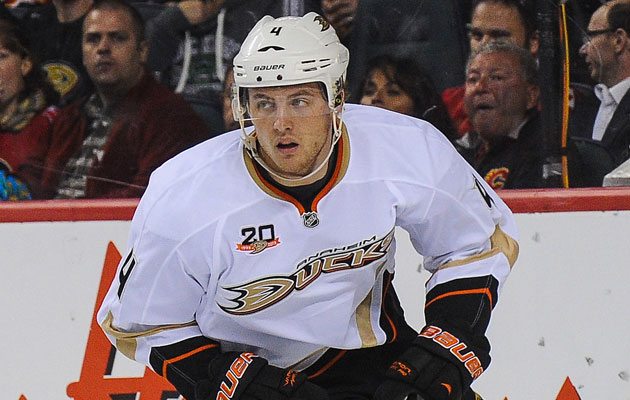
{"x": 90, "y": 106}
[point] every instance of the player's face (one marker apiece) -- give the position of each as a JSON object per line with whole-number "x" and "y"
{"x": 497, "y": 97}
{"x": 496, "y": 21}
{"x": 380, "y": 91}
{"x": 293, "y": 127}
{"x": 113, "y": 57}
{"x": 13, "y": 68}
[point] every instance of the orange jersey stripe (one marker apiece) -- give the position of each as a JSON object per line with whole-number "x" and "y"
{"x": 181, "y": 357}
{"x": 333, "y": 179}
{"x": 391, "y": 323}
{"x": 328, "y": 365}
{"x": 485, "y": 291}
{"x": 280, "y": 193}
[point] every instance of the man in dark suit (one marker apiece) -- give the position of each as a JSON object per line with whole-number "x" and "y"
{"x": 603, "y": 134}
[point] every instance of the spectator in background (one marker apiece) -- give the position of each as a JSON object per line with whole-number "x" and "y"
{"x": 341, "y": 15}
{"x": 55, "y": 30}
{"x": 27, "y": 111}
{"x": 107, "y": 144}
{"x": 507, "y": 20}
{"x": 501, "y": 99}
{"x": 603, "y": 134}
{"x": 402, "y": 85}
{"x": 430, "y": 32}
{"x": 192, "y": 42}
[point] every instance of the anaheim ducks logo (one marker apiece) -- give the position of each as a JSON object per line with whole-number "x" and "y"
{"x": 262, "y": 293}
{"x": 325, "y": 25}
{"x": 258, "y": 246}
{"x": 497, "y": 177}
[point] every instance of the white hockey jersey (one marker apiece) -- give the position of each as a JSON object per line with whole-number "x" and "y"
{"x": 214, "y": 249}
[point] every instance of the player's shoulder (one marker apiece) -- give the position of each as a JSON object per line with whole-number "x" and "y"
{"x": 395, "y": 136}
{"x": 382, "y": 124}
{"x": 192, "y": 176}
{"x": 207, "y": 154}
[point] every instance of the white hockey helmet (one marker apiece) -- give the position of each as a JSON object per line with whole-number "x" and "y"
{"x": 290, "y": 51}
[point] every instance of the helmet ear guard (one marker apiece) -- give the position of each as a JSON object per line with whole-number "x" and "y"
{"x": 238, "y": 110}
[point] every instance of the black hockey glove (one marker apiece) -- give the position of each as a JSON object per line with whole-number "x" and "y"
{"x": 440, "y": 364}
{"x": 245, "y": 376}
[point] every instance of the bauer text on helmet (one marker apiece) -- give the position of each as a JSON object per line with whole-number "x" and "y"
{"x": 284, "y": 52}
{"x": 291, "y": 51}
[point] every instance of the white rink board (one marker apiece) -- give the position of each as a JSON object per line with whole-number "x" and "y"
{"x": 51, "y": 273}
{"x": 563, "y": 312}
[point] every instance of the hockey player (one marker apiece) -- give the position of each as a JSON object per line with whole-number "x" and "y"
{"x": 260, "y": 262}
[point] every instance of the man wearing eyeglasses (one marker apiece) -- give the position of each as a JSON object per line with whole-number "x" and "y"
{"x": 604, "y": 137}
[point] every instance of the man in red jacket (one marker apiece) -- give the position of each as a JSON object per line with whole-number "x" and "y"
{"x": 107, "y": 144}
{"x": 507, "y": 20}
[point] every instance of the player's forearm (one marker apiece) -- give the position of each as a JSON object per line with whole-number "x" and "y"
{"x": 466, "y": 303}
{"x": 184, "y": 363}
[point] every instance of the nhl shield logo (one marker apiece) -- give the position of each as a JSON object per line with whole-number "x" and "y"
{"x": 310, "y": 219}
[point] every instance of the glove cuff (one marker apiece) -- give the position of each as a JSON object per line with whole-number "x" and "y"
{"x": 233, "y": 376}
{"x": 233, "y": 372}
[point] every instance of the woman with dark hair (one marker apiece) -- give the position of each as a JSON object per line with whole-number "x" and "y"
{"x": 27, "y": 111}
{"x": 402, "y": 85}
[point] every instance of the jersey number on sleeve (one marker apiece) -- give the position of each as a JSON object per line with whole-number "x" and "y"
{"x": 486, "y": 197}
{"x": 125, "y": 271}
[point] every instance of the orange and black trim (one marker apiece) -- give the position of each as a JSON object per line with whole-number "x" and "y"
{"x": 469, "y": 301}
{"x": 358, "y": 371}
{"x": 392, "y": 319}
{"x": 184, "y": 363}
{"x": 322, "y": 365}
{"x": 398, "y": 332}
{"x": 386, "y": 320}
{"x": 260, "y": 177}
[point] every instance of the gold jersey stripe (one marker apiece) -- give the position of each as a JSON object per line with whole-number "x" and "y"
{"x": 500, "y": 242}
{"x": 364, "y": 320}
{"x": 126, "y": 342}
